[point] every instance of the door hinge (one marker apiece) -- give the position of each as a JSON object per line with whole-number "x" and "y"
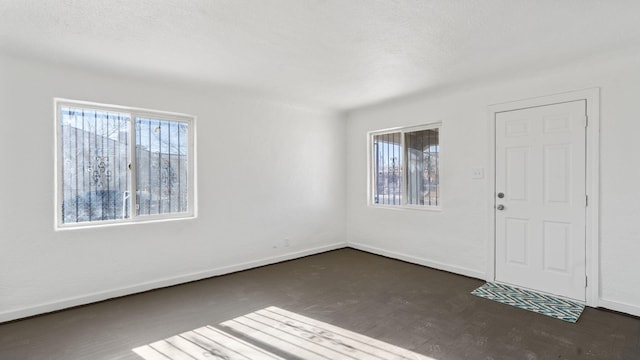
{"x": 586, "y": 281}
{"x": 586, "y": 200}
{"x": 586, "y": 121}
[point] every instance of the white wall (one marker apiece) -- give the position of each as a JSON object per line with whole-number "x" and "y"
{"x": 267, "y": 171}
{"x": 457, "y": 238}
{"x": 299, "y": 156}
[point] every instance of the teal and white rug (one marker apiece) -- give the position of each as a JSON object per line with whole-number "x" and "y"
{"x": 562, "y": 309}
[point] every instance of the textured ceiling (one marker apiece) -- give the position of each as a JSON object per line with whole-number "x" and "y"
{"x": 338, "y": 54}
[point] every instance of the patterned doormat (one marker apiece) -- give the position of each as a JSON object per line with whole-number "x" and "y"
{"x": 529, "y": 300}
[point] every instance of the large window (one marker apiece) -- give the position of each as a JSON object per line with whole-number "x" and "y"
{"x": 405, "y": 168}
{"x": 103, "y": 152}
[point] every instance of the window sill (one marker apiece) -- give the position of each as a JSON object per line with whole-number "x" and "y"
{"x": 407, "y": 207}
{"x": 106, "y": 223}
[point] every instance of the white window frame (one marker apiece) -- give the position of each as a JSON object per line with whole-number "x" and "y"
{"x": 371, "y": 176}
{"x": 134, "y": 112}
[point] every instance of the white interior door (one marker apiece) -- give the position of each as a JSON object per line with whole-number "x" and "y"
{"x": 541, "y": 198}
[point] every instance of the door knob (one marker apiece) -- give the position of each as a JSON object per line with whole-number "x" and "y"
{"x": 500, "y": 207}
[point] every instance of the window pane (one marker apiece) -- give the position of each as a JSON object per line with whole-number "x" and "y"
{"x": 161, "y": 166}
{"x": 95, "y": 157}
{"x": 387, "y": 182}
{"x": 423, "y": 178}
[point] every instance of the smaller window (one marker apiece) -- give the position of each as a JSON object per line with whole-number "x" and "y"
{"x": 406, "y": 167}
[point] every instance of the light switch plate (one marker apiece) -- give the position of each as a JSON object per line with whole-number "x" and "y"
{"x": 477, "y": 173}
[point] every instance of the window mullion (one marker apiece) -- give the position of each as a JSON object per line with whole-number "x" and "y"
{"x": 133, "y": 168}
{"x": 403, "y": 170}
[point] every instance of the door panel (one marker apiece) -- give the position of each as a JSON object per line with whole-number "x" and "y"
{"x": 517, "y": 166}
{"x": 517, "y": 230}
{"x": 540, "y": 168}
{"x": 556, "y": 241}
{"x": 557, "y": 181}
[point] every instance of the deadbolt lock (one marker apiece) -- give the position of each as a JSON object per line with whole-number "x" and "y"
{"x": 500, "y": 195}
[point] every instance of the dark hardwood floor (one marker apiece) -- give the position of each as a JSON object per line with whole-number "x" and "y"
{"x": 420, "y": 309}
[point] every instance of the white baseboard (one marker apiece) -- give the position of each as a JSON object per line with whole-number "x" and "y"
{"x": 619, "y": 306}
{"x": 43, "y": 308}
{"x": 420, "y": 261}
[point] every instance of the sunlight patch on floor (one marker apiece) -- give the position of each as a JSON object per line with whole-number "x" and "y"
{"x": 273, "y": 330}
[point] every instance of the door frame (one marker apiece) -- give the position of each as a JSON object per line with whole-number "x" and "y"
{"x": 592, "y": 177}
